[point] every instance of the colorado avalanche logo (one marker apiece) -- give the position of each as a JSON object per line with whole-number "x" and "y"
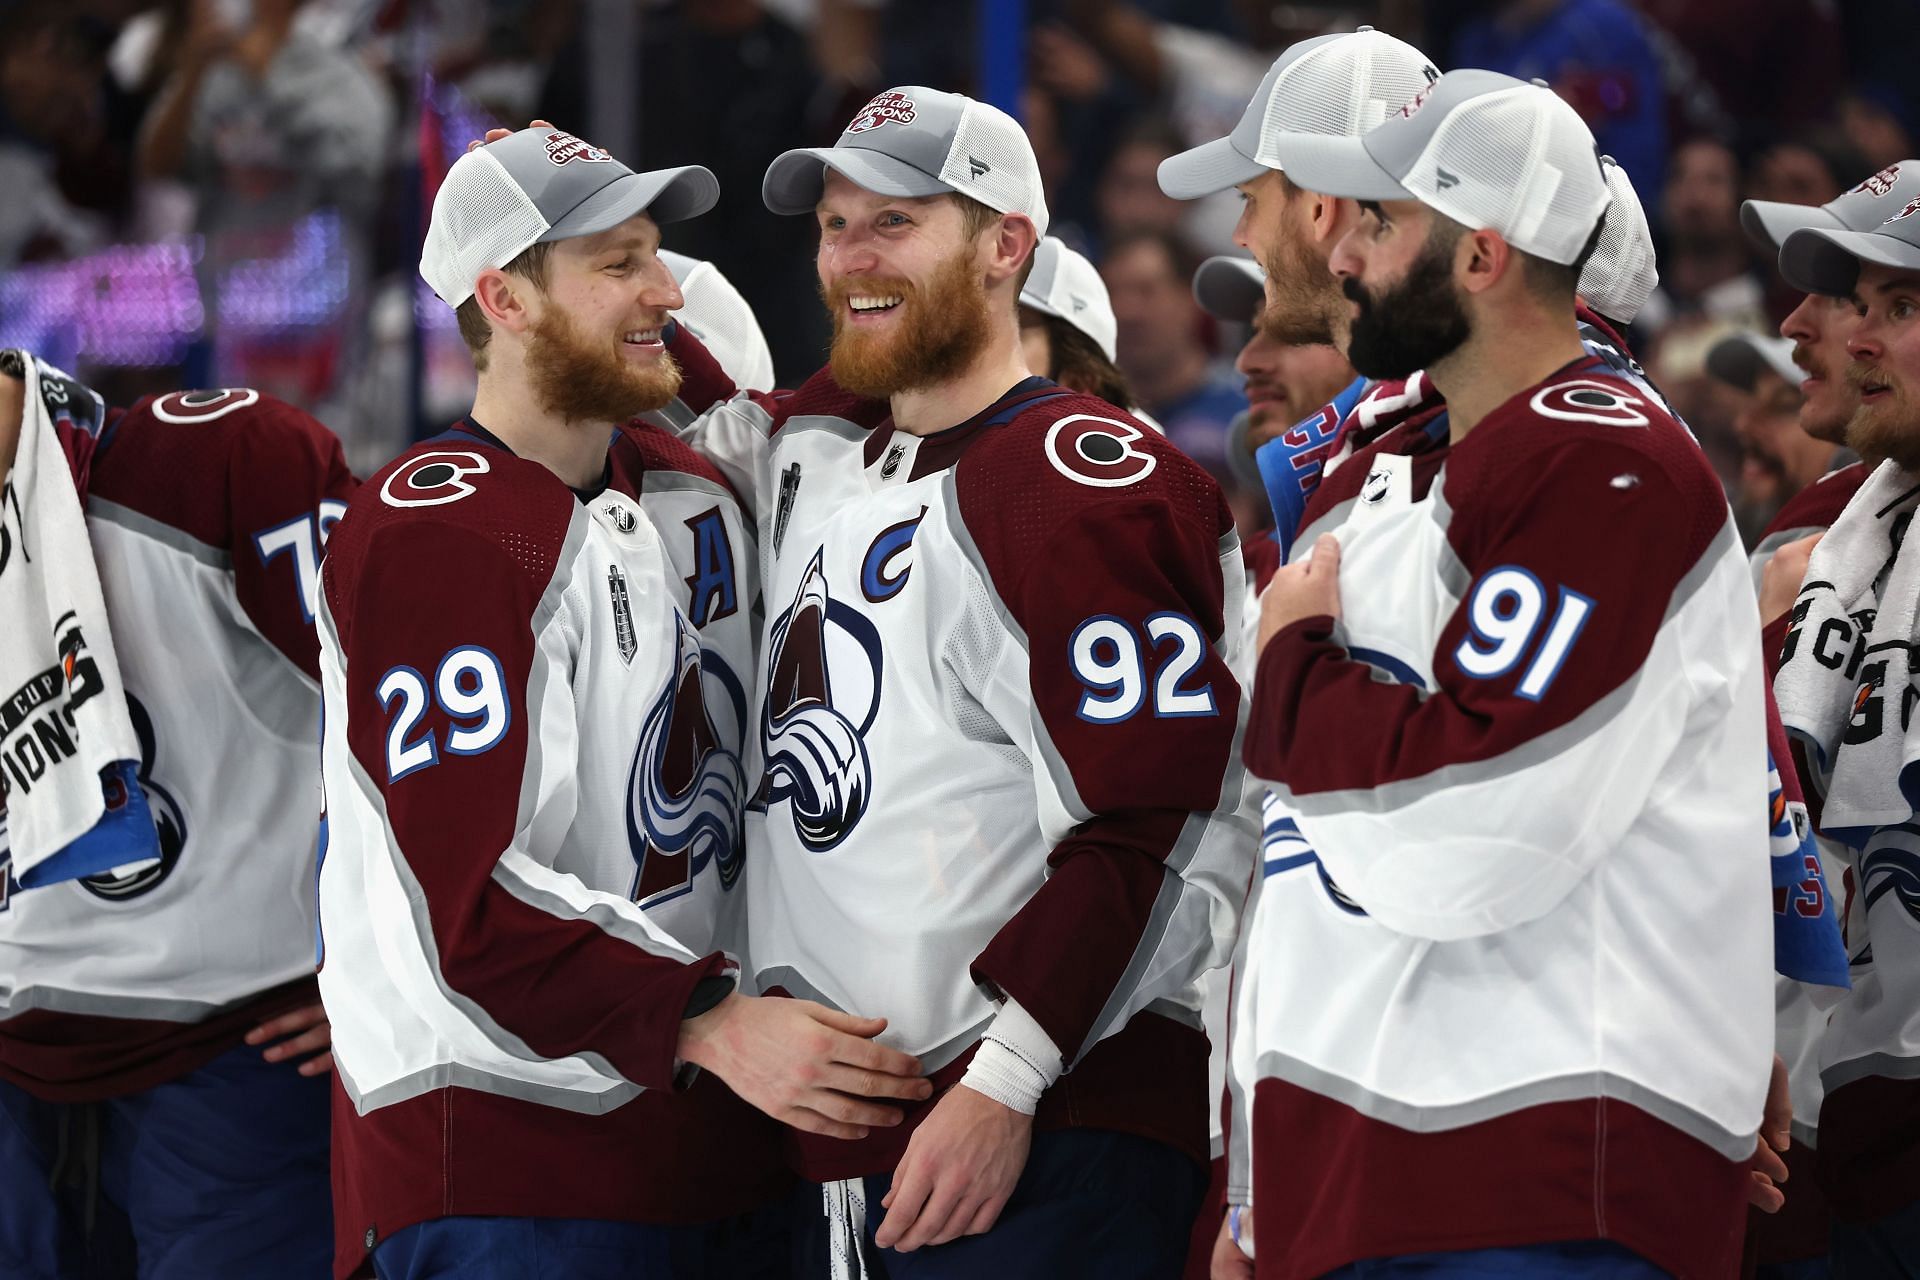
{"x": 816, "y": 754}
{"x": 169, "y": 822}
{"x": 563, "y": 148}
{"x": 1098, "y": 451}
{"x": 1890, "y": 869}
{"x": 685, "y": 789}
{"x": 889, "y": 106}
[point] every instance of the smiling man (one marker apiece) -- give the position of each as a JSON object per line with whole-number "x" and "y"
{"x": 1002, "y": 799}
{"x": 536, "y": 639}
{"x": 1486, "y": 729}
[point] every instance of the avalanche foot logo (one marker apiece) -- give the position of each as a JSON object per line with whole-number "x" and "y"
{"x": 169, "y": 822}
{"x": 1894, "y": 870}
{"x": 685, "y": 789}
{"x": 823, "y": 670}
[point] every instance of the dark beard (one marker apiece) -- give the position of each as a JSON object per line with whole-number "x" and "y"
{"x": 942, "y": 331}
{"x": 583, "y": 383}
{"x": 1411, "y": 325}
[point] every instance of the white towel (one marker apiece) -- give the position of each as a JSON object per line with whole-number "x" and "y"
{"x": 1846, "y": 674}
{"x": 68, "y": 755}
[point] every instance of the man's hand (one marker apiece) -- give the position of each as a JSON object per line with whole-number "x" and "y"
{"x": 310, "y": 1032}
{"x": 960, "y": 1168}
{"x": 1228, "y": 1262}
{"x": 804, "y": 1064}
{"x": 1306, "y": 588}
{"x": 1776, "y": 1134}
{"x": 494, "y": 135}
{"x": 1785, "y": 570}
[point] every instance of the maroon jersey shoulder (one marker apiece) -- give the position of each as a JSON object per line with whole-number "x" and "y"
{"x": 1819, "y": 504}
{"x": 821, "y": 396}
{"x": 653, "y": 448}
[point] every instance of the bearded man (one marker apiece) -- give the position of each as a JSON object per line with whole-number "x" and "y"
{"x": 536, "y": 633}
{"x": 1003, "y": 799}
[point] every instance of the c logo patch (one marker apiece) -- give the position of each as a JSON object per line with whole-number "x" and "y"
{"x": 182, "y": 407}
{"x": 433, "y": 479}
{"x": 1589, "y": 400}
{"x": 1098, "y": 451}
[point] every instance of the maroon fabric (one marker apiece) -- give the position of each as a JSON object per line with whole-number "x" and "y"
{"x": 1206, "y": 1226}
{"x": 73, "y": 1057}
{"x": 1819, "y": 504}
{"x": 1524, "y": 491}
{"x": 1148, "y": 1079}
{"x": 692, "y": 1156}
{"x": 231, "y": 471}
{"x": 1262, "y": 557}
{"x": 1869, "y": 1159}
{"x": 1333, "y": 1186}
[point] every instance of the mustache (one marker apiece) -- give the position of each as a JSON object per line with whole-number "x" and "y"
{"x": 1803, "y": 357}
{"x": 1355, "y": 294}
{"x": 1861, "y": 375}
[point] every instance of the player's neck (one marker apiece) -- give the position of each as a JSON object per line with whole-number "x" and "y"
{"x": 574, "y": 451}
{"x": 1500, "y": 361}
{"x": 999, "y": 367}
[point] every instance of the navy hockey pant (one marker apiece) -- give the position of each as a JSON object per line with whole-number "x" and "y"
{"x": 1576, "y": 1260}
{"x": 222, "y": 1172}
{"x": 1886, "y": 1249}
{"x": 750, "y": 1247}
{"x": 1089, "y": 1203}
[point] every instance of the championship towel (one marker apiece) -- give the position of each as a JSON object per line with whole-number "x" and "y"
{"x": 68, "y": 754}
{"x": 1845, "y": 683}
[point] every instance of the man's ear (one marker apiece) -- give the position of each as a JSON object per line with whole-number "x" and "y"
{"x": 1012, "y": 245}
{"x": 1481, "y": 259}
{"x": 502, "y": 300}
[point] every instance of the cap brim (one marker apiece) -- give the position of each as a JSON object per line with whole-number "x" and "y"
{"x": 1207, "y": 169}
{"x": 1818, "y": 260}
{"x": 1740, "y": 358}
{"x": 665, "y": 195}
{"x": 1768, "y": 223}
{"x": 1230, "y": 289}
{"x": 796, "y": 178}
{"x": 1337, "y": 166}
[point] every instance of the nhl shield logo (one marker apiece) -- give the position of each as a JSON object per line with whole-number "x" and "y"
{"x": 891, "y": 467}
{"x": 623, "y": 635}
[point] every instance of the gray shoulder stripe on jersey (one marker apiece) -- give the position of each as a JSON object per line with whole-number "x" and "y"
{"x": 1885, "y": 1065}
{"x": 146, "y": 526}
{"x": 790, "y": 979}
{"x": 675, "y": 415}
{"x": 456, "y": 1074}
{"x": 1582, "y": 1085}
{"x": 827, "y": 422}
{"x": 20, "y": 1000}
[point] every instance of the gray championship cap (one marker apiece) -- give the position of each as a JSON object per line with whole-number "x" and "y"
{"x": 1826, "y": 261}
{"x": 1489, "y": 151}
{"x": 915, "y": 141}
{"x": 1768, "y": 223}
{"x": 539, "y": 185}
{"x": 1338, "y": 85}
{"x": 1064, "y": 284}
{"x": 1230, "y": 289}
{"x": 1620, "y": 275}
{"x": 1740, "y": 358}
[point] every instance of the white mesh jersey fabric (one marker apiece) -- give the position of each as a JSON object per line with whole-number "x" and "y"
{"x": 721, "y": 318}
{"x": 481, "y": 218}
{"x": 992, "y": 161}
{"x": 1621, "y": 275}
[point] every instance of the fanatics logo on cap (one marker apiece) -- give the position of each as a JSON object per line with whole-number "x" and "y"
{"x": 1879, "y": 184}
{"x": 890, "y": 106}
{"x": 563, "y": 148}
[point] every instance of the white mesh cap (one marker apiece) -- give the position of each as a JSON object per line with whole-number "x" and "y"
{"x": 1231, "y": 289}
{"x": 539, "y": 185}
{"x": 915, "y": 141}
{"x": 715, "y": 313}
{"x": 1489, "y": 151}
{"x": 1740, "y": 358}
{"x": 1620, "y": 276}
{"x": 1825, "y": 261}
{"x": 1338, "y": 85}
{"x": 1768, "y": 223}
{"x": 1064, "y": 284}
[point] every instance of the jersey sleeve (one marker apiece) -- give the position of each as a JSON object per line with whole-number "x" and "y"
{"x": 1477, "y": 804}
{"x": 1130, "y": 612}
{"x": 461, "y": 725}
{"x": 732, "y": 429}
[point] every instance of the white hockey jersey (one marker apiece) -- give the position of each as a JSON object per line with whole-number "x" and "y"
{"x": 535, "y": 758}
{"x": 1508, "y": 974}
{"x": 1001, "y": 725}
{"x": 207, "y": 511}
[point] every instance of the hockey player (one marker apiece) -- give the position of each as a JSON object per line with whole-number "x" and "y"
{"x": 1067, "y": 329}
{"x": 536, "y": 647}
{"x": 1001, "y": 800}
{"x": 1510, "y": 733}
{"x": 144, "y": 1109}
{"x": 1845, "y": 662}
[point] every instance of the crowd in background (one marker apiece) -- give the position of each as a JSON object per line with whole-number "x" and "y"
{"x": 232, "y": 192}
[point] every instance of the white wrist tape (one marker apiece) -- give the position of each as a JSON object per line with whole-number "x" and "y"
{"x": 1016, "y": 1061}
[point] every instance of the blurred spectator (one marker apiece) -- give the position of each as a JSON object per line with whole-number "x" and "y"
{"x": 1596, "y": 54}
{"x": 1130, "y": 199}
{"x": 1705, "y": 272}
{"x": 1174, "y": 376}
{"x": 1810, "y": 166}
{"x": 1878, "y": 120}
{"x": 725, "y": 84}
{"x": 1777, "y": 458}
{"x": 56, "y": 150}
{"x": 1736, "y": 56}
